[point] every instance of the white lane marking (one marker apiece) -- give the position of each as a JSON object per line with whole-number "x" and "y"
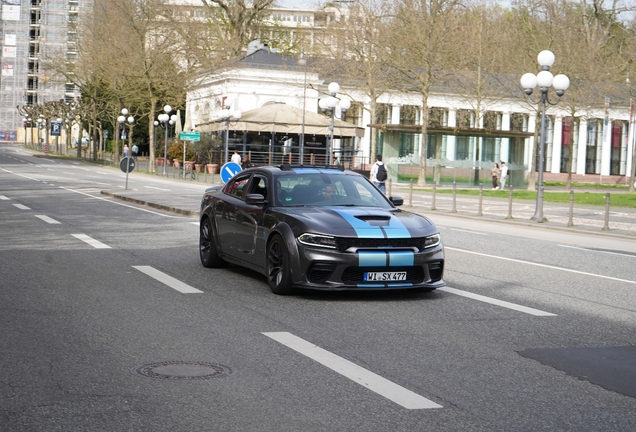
{"x": 598, "y": 251}
{"x": 122, "y": 204}
{"x": 20, "y": 175}
{"x": 528, "y": 310}
{"x": 357, "y": 374}
{"x": 47, "y": 219}
{"x": 542, "y": 265}
{"x": 22, "y": 207}
{"x": 91, "y": 241}
{"x": 468, "y": 231}
{"x": 161, "y": 189}
{"x": 195, "y": 223}
{"x": 168, "y": 280}
{"x": 4, "y": 198}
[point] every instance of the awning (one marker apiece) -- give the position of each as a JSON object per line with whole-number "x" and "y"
{"x": 285, "y": 119}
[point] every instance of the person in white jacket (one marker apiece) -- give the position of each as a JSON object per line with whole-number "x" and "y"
{"x": 380, "y": 184}
{"x": 504, "y": 175}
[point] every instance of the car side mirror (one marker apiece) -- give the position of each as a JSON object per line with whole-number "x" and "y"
{"x": 255, "y": 199}
{"x": 396, "y": 200}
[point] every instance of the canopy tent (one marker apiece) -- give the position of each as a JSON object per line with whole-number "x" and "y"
{"x": 282, "y": 118}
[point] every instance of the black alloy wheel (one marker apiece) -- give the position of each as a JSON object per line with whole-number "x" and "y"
{"x": 278, "y": 273}
{"x": 207, "y": 248}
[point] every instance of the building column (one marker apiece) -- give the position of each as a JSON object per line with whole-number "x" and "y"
{"x": 527, "y": 158}
{"x": 395, "y": 114}
{"x": 451, "y": 141}
{"x": 365, "y": 142}
{"x": 630, "y": 151}
{"x": 504, "y": 150}
{"x": 557, "y": 144}
{"x": 582, "y": 148}
{"x": 606, "y": 149}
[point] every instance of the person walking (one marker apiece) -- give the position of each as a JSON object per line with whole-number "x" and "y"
{"x": 495, "y": 172}
{"x": 236, "y": 158}
{"x": 125, "y": 152}
{"x": 379, "y": 174}
{"x": 504, "y": 175}
{"x": 135, "y": 151}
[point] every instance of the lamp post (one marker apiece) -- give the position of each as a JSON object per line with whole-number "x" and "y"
{"x": 330, "y": 104}
{"x": 226, "y": 115}
{"x": 24, "y": 123}
{"x": 122, "y": 124}
{"x": 164, "y": 119}
{"x": 302, "y": 61}
{"x": 544, "y": 80}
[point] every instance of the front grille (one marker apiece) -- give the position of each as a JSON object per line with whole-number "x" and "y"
{"x": 355, "y": 275}
{"x": 344, "y": 243}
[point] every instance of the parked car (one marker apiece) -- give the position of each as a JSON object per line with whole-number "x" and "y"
{"x": 318, "y": 228}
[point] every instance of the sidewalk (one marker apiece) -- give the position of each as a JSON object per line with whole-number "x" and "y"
{"x": 184, "y": 197}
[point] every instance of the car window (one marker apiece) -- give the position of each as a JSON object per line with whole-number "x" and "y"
{"x": 236, "y": 186}
{"x": 327, "y": 190}
{"x": 258, "y": 186}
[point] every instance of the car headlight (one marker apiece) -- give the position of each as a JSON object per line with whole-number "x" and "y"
{"x": 431, "y": 241}
{"x": 318, "y": 240}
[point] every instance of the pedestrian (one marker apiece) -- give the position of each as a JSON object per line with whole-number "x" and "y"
{"x": 236, "y": 158}
{"x": 379, "y": 174}
{"x": 135, "y": 150}
{"x": 504, "y": 175}
{"x": 246, "y": 163}
{"x": 125, "y": 150}
{"x": 335, "y": 161}
{"x": 495, "y": 172}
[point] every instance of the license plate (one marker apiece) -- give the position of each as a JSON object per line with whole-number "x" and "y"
{"x": 384, "y": 276}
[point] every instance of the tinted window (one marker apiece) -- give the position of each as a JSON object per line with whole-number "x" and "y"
{"x": 236, "y": 186}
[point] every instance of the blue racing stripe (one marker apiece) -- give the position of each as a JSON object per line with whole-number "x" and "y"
{"x": 397, "y": 229}
{"x": 401, "y": 258}
{"x": 371, "y": 286}
{"x": 362, "y": 229}
{"x": 371, "y": 259}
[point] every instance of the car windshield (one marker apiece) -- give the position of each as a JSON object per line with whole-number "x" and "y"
{"x": 327, "y": 189}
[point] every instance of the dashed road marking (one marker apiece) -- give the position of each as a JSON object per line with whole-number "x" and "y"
{"x": 4, "y": 198}
{"x": 168, "y": 280}
{"x": 91, "y": 241}
{"x": 22, "y": 207}
{"x": 47, "y": 219}
{"x": 357, "y": 374}
{"x": 505, "y": 304}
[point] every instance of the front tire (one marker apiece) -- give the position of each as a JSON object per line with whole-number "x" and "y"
{"x": 278, "y": 272}
{"x": 207, "y": 247}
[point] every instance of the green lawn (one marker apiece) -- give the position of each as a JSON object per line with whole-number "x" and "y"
{"x": 587, "y": 198}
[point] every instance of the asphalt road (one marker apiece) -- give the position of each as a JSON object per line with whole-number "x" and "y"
{"x": 102, "y": 300}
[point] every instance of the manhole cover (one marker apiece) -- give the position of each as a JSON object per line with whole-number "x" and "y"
{"x": 181, "y": 370}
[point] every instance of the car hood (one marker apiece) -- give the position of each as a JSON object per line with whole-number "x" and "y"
{"x": 362, "y": 222}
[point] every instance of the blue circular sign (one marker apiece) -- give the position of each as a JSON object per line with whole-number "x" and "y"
{"x": 229, "y": 170}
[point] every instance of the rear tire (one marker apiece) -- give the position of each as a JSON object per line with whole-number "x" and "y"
{"x": 278, "y": 272}
{"x": 207, "y": 247}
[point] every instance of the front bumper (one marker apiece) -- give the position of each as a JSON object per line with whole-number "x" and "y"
{"x": 329, "y": 269}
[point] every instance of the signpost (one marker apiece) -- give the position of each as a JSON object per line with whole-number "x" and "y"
{"x": 190, "y": 136}
{"x": 127, "y": 164}
{"x": 229, "y": 170}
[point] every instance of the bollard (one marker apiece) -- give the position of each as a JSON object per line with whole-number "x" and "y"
{"x": 411, "y": 193}
{"x": 509, "y": 204}
{"x": 481, "y": 199}
{"x": 571, "y": 218}
{"x": 434, "y": 193}
{"x": 390, "y": 187}
{"x": 454, "y": 198}
{"x": 607, "y": 208}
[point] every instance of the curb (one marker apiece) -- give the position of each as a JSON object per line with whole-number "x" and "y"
{"x": 151, "y": 204}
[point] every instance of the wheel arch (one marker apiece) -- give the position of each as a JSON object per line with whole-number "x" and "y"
{"x": 288, "y": 236}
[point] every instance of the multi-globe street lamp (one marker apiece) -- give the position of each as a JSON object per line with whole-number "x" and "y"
{"x": 226, "y": 115}
{"x": 544, "y": 80}
{"x": 329, "y": 105}
{"x": 122, "y": 125}
{"x": 166, "y": 121}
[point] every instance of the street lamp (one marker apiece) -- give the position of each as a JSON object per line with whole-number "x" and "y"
{"x": 302, "y": 61}
{"x": 225, "y": 115}
{"x": 165, "y": 121}
{"x": 544, "y": 80}
{"x": 330, "y": 104}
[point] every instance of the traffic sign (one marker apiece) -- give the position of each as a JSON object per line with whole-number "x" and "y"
{"x": 190, "y": 136}
{"x": 229, "y": 170}
{"x": 56, "y": 128}
{"x": 127, "y": 164}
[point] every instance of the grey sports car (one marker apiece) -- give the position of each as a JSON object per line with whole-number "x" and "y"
{"x": 318, "y": 228}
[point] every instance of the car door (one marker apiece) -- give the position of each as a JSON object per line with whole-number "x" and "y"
{"x": 227, "y": 219}
{"x": 250, "y": 220}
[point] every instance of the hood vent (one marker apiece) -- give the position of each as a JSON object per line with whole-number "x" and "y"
{"x": 375, "y": 220}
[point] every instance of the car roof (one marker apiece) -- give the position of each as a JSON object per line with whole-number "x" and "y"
{"x": 286, "y": 169}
